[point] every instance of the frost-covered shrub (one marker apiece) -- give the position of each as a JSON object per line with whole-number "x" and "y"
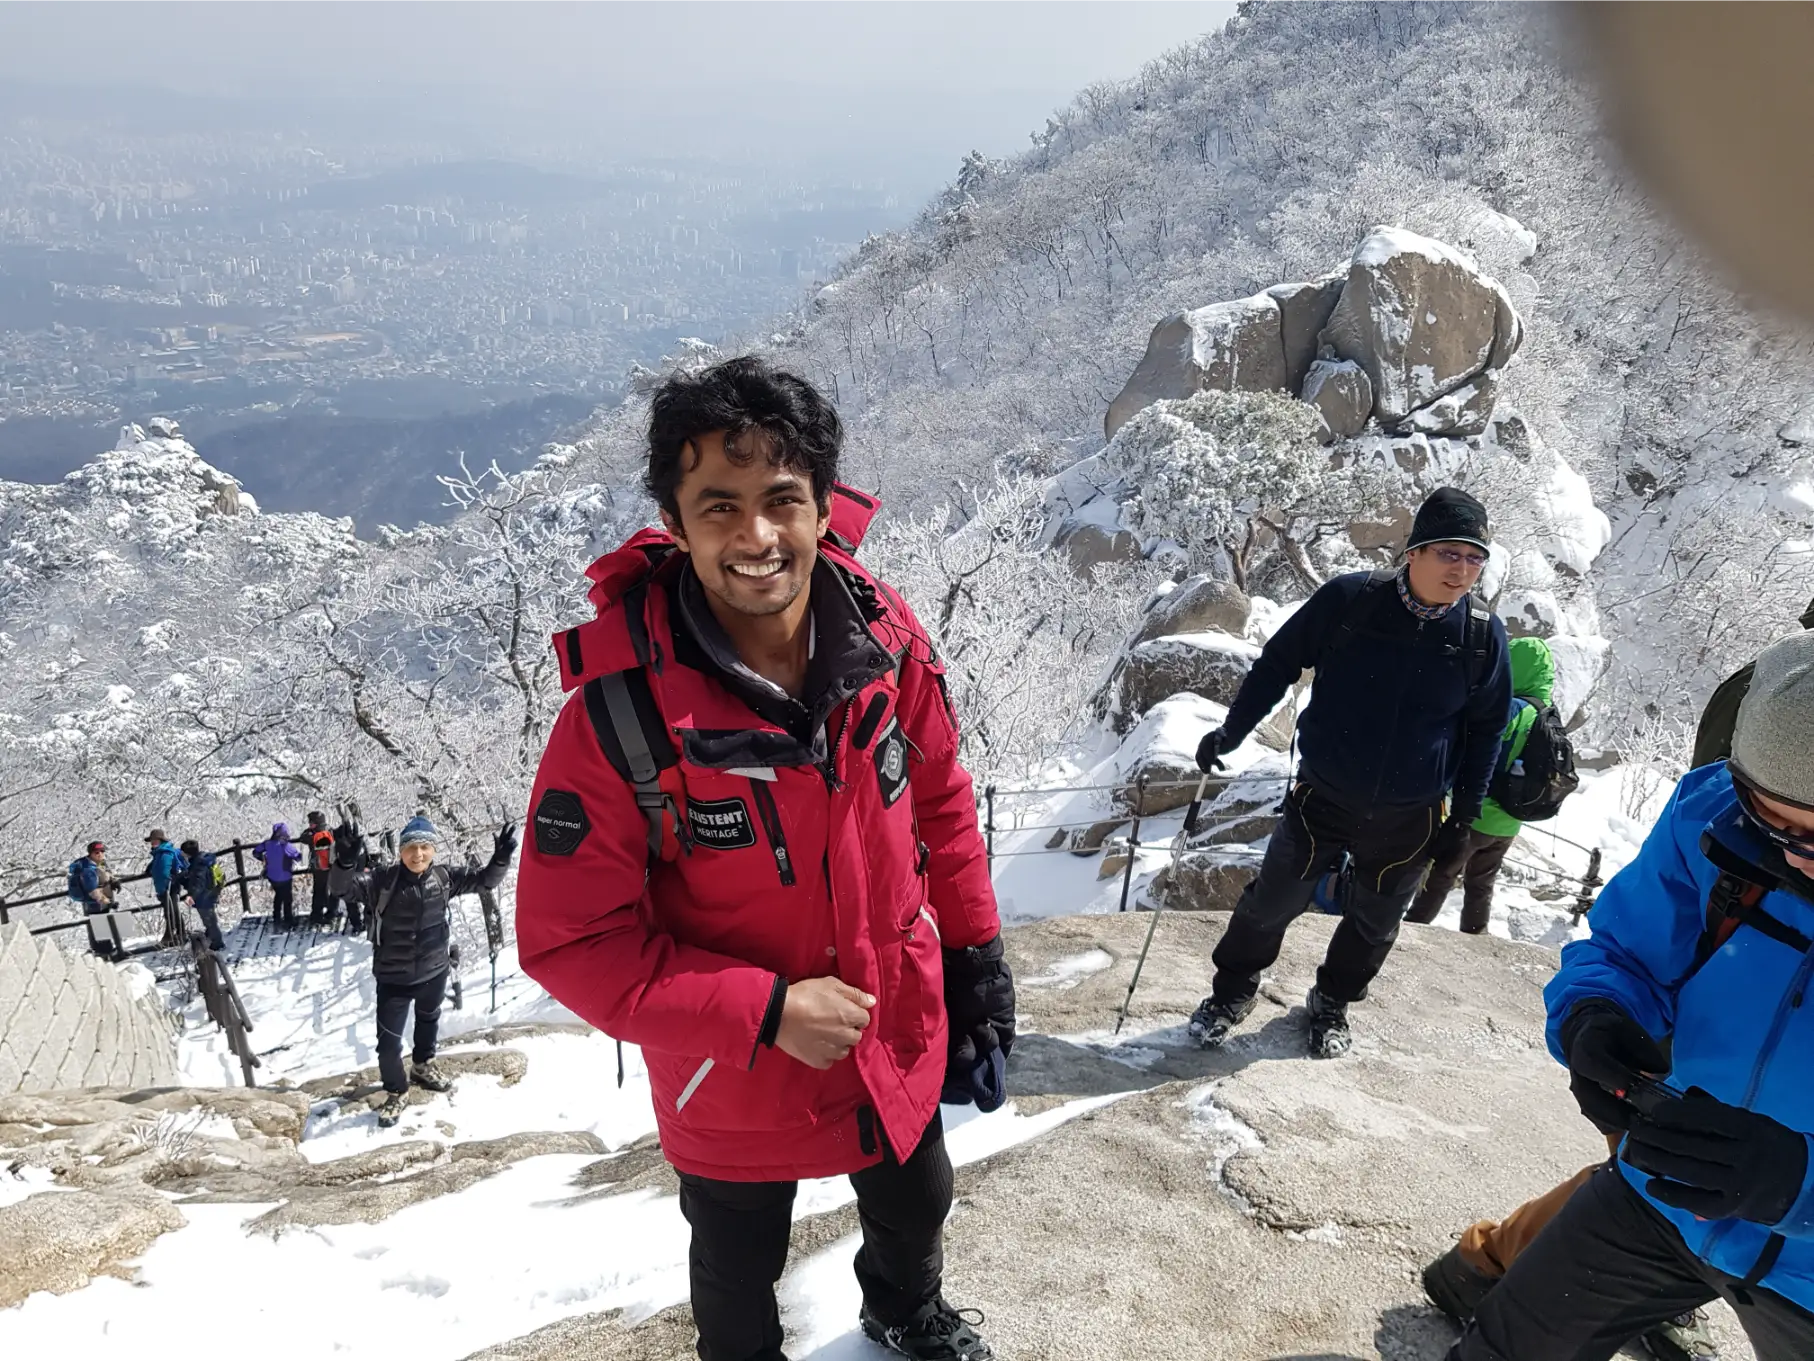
{"x": 1209, "y": 469}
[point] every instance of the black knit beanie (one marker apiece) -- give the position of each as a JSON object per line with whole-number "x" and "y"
{"x": 1450, "y": 515}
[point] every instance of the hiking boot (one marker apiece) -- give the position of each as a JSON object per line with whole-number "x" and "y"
{"x": 1455, "y": 1287}
{"x": 1212, "y": 1021}
{"x": 1329, "y": 1034}
{"x": 1687, "y": 1337}
{"x": 391, "y": 1111}
{"x": 937, "y": 1333}
{"x": 430, "y": 1077}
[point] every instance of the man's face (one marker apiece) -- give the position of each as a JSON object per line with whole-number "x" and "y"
{"x": 1441, "y": 573}
{"x": 752, "y": 529}
{"x": 1786, "y": 817}
{"x": 417, "y": 856}
{"x": 99, "y": 857}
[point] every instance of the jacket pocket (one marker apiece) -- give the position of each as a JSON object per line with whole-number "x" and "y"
{"x": 770, "y": 814}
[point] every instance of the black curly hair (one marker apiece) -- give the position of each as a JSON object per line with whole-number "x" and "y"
{"x": 762, "y": 409}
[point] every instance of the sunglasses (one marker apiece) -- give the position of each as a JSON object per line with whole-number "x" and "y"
{"x": 1795, "y": 843}
{"x": 1448, "y": 557}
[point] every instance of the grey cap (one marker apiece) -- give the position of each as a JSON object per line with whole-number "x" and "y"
{"x": 1773, "y": 742}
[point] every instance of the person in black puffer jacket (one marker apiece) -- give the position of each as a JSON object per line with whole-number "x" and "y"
{"x": 407, "y": 915}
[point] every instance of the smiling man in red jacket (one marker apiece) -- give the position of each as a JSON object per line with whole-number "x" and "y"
{"x": 756, "y": 856}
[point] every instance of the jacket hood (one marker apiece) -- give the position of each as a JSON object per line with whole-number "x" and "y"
{"x": 1533, "y": 669}
{"x": 619, "y": 637}
{"x": 281, "y": 829}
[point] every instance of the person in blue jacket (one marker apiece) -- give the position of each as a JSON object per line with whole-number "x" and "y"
{"x": 165, "y": 866}
{"x": 1398, "y": 745}
{"x": 1682, "y": 1022}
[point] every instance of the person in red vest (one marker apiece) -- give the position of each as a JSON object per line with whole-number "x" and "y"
{"x": 756, "y": 855}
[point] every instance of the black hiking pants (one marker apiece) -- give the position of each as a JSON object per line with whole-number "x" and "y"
{"x": 394, "y": 1003}
{"x": 1608, "y": 1268}
{"x": 740, "y": 1235}
{"x": 1389, "y": 849}
{"x": 283, "y": 902}
{"x": 1477, "y": 865}
{"x": 318, "y": 898}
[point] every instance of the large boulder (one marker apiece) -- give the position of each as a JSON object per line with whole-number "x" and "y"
{"x": 1227, "y": 346}
{"x": 1342, "y": 394}
{"x": 1304, "y": 309}
{"x": 1197, "y": 604}
{"x": 1204, "y": 881}
{"x": 1086, "y": 545}
{"x": 1422, "y": 320}
{"x": 1212, "y": 665}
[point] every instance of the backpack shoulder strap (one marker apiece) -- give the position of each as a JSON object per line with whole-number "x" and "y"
{"x": 634, "y": 739}
{"x": 1736, "y": 900}
{"x": 1477, "y": 640}
{"x": 1360, "y": 610}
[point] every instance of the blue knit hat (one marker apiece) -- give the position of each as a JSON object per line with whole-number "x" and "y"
{"x": 418, "y": 830}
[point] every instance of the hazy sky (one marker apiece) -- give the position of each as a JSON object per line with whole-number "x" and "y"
{"x": 916, "y": 83}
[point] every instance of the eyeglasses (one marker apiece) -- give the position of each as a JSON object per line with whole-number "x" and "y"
{"x": 1795, "y": 843}
{"x": 1448, "y": 557}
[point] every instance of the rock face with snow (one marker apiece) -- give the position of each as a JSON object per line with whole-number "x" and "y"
{"x": 1212, "y": 665}
{"x": 1229, "y": 346}
{"x": 1424, "y": 323}
{"x": 1410, "y": 334}
{"x": 1198, "y": 604}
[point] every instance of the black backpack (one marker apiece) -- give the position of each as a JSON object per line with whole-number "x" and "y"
{"x": 1533, "y": 787}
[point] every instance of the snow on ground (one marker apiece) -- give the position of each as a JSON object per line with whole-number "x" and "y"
{"x": 524, "y": 1249}
{"x": 449, "y": 1276}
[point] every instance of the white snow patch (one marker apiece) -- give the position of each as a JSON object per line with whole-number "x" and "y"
{"x": 1067, "y": 973}
{"x": 1226, "y": 1135}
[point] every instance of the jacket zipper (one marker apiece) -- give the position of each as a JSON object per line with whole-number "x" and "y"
{"x": 830, "y": 768}
{"x": 771, "y": 823}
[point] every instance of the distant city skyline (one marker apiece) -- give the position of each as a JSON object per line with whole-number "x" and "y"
{"x": 894, "y": 90}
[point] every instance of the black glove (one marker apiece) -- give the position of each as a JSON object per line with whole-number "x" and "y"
{"x": 1450, "y": 839}
{"x": 1606, "y": 1050}
{"x": 1718, "y": 1161}
{"x": 1210, "y": 749}
{"x": 979, "y": 1000}
{"x": 503, "y": 845}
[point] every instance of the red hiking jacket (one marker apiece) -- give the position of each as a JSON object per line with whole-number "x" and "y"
{"x": 794, "y": 855}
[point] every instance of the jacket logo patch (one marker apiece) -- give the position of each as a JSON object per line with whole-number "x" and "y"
{"x": 891, "y": 764}
{"x": 721, "y": 824}
{"x": 560, "y": 823}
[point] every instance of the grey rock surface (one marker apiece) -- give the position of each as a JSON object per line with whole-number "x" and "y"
{"x": 1342, "y": 394}
{"x": 1249, "y": 1204}
{"x": 1198, "y": 604}
{"x": 1227, "y": 346}
{"x": 1304, "y": 309}
{"x": 1209, "y": 664}
{"x": 60, "y": 1240}
{"x": 1416, "y": 317}
{"x": 1087, "y": 545}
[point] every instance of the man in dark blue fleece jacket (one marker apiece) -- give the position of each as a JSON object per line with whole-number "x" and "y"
{"x": 1410, "y": 699}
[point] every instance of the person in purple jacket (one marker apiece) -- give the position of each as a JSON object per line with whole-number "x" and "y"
{"x": 279, "y": 854}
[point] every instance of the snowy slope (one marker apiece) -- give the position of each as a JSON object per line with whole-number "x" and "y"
{"x": 449, "y": 1276}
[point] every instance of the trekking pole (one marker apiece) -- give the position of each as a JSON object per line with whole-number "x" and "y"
{"x": 1133, "y": 845}
{"x": 1184, "y": 834}
{"x": 989, "y": 823}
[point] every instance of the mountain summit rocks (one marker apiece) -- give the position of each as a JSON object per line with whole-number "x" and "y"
{"x": 1410, "y": 334}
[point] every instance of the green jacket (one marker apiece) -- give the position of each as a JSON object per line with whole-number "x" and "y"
{"x": 1533, "y": 679}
